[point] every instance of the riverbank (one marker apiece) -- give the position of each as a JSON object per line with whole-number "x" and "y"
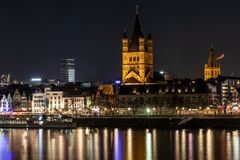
{"x": 36, "y": 126}
{"x": 167, "y": 122}
{"x": 161, "y": 122}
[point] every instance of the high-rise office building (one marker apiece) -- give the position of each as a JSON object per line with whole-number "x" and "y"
{"x": 67, "y": 70}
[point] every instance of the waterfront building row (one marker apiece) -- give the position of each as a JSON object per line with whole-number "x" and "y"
{"x": 222, "y": 91}
{"x": 70, "y": 98}
{"x": 58, "y": 101}
{"x": 47, "y": 99}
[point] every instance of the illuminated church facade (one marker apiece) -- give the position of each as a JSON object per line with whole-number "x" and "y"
{"x": 212, "y": 68}
{"x": 137, "y": 56}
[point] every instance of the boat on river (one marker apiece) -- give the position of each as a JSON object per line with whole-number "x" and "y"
{"x": 40, "y": 121}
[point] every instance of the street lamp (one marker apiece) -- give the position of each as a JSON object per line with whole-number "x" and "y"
{"x": 148, "y": 110}
{"x": 208, "y": 110}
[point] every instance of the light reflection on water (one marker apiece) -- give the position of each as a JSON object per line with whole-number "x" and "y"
{"x": 235, "y": 139}
{"x": 118, "y": 144}
{"x": 209, "y": 142}
{"x": 200, "y": 144}
{"x": 148, "y": 144}
{"x": 129, "y": 144}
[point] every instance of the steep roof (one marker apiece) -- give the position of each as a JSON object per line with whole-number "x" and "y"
{"x": 212, "y": 58}
{"x": 149, "y": 36}
{"x": 137, "y": 32}
{"x": 124, "y": 35}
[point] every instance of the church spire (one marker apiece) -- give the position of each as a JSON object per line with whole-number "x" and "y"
{"x": 212, "y": 47}
{"x": 124, "y": 36}
{"x": 136, "y": 34}
{"x": 212, "y": 58}
{"x": 137, "y": 7}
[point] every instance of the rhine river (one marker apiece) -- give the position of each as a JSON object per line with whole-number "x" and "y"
{"x": 118, "y": 143}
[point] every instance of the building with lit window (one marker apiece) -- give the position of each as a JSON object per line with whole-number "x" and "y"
{"x": 54, "y": 101}
{"x": 176, "y": 93}
{"x": 226, "y": 87}
{"x": 21, "y": 102}
{"x": 5, "y": 103}
{"x": 67, "y": 70}
{"x": 38, "y": 102}
{"x": 73, "y": 103}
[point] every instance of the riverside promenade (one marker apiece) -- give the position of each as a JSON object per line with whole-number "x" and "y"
{"x": 168, "y": 122}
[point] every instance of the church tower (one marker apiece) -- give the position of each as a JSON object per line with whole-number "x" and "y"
{"x": 137, "y": 56}
{"x": 212, "y": 68}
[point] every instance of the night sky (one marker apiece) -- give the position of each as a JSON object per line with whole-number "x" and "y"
{"x": 35, "y": 34}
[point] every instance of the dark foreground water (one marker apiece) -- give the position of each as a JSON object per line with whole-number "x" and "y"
{"x": 131, "y": 144}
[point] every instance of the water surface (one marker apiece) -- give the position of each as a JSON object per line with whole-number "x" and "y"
{"x": 117, "y": 143}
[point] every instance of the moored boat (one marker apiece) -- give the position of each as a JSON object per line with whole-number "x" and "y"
{"x": 41, "y": 121}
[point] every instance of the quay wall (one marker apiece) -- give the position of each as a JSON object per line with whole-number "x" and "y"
{"x": 161, "y": 122}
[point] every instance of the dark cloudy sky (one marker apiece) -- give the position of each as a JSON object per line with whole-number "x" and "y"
{"x": 35, "y": 34}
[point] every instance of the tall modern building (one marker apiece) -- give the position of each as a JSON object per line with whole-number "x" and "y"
{"x": 137, "y": 56}
{"x": 67, "y": 70}
{"x": 212, "y": 68}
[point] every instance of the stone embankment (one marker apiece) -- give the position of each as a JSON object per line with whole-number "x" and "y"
{"x": 161, "y": 122}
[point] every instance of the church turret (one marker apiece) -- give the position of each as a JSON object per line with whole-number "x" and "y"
{"x": 141, "y": 42}
{"x": 149, "y": 43}
{"x": 124, "y": 42}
